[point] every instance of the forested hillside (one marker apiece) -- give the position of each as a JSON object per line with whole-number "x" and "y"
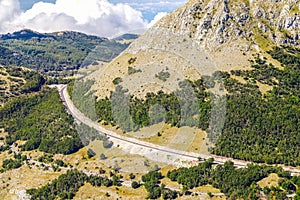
{"x": 16, "y": 81}
{"x": 42, "y": 121}
{"x": 56, "y": 54}
{"x": 259, "y": 126}
{"x": 32, "y": 112}
{"x": 264, "y": 127}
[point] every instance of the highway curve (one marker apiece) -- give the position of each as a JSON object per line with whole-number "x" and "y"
{"x": 146, "y": 146}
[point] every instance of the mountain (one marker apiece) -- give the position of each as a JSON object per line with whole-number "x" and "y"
{"x": 55, "y": 54}
{"x": 126, "y": 36}
{"x": 24, "y": 35}
{"x": 229, "y": 68}
{"x": 204, "y": 36}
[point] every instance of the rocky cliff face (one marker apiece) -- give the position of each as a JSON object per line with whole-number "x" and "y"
{"x": 201, "y": 37}
{"x": 216, "y": 22}
{"x": 279, "y": 20}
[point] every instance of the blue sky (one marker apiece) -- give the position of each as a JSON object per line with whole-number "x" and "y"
{"x": 27, "y": 4}
{"x": 149, "y": 8}
{"x": 107, "y": 18}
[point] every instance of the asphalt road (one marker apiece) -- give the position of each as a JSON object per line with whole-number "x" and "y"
{"x": 146, "y": 145}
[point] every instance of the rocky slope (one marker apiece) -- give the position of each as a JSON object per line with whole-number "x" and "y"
{"x": 200, "y": 38}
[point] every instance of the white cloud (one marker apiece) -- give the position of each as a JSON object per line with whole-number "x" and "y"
{"x": 98, "y": 17}
{"x": 9, "y": 10}
{"x": 156, "y": 18}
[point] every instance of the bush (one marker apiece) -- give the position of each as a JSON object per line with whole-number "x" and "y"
{"x": 60, "y": 163}
{"x": 163, "y": 76}
{"x": 66, "y": 185}
{"x": 91, "y": 153}
{"x": 133, "y": 71}
{"x": 135, "y": 185}
{"x": 46, "y": 159}
{"x": 107, "y": 144}
{"x": 131, "y": 176}
{"x": 117, "y": 80}
{"x": 11, "y": 164}
{"x": 102, "y": 156}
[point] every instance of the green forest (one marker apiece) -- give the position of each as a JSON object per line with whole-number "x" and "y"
{"x": 264, "y": 127}
{"x": 237, "y": 183}
{"x": 66, "y": 185}
{"x": 36, "y": 114}
{"x": 56, "y": 54}
{"x": 156, "y": 108}
{"x": 42, "y": 121}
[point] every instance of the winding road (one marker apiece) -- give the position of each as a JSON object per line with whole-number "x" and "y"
{"x": 157, "y": 152}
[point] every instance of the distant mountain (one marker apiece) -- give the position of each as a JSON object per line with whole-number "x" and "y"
{"x": 127, "y": 36}
{"x": 56, "y": 54}
{"x": 24, "y": 35}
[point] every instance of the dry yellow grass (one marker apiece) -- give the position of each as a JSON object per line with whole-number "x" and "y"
{"x": 271, "y": 180}
{"x": 112, "y": 128}
{"x": 198, "y": 145}
{"x": 201, "y": 197}
{"x": 264, "y": 88}
{"x": 7, "y": 79}
{"x": 167, "y": 134}
{"x": 164, "y": 170}
{"x": 147, "y": 132}
{"x": 19, "y": 180}
{"x": 97, "y": 193}
{"x": 276, "y": 63}
{"x": 8, "y": 83}
{"x": 238, "y": 78}
{"x": 5, "y": 155}
{"x": 185, "y": 138}
{"x": 24, "y": 178}
{"x": 115, "y": 158}
{"x": 206, "y": 189}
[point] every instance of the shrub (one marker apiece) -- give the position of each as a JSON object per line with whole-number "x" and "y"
{"x": 91, "y": 153}
{"x": 135, "y": 185}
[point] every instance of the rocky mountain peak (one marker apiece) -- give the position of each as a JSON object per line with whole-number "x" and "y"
{"x": 216, "y": 22}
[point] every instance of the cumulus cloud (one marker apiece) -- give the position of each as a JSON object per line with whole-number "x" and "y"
{"x": 98, "y": 17}
{"x": 157, "y": 18}
{"x": 9, "y": 10}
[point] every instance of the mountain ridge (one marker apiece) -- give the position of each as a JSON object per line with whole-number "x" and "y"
{"x": 56, "y": 54}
